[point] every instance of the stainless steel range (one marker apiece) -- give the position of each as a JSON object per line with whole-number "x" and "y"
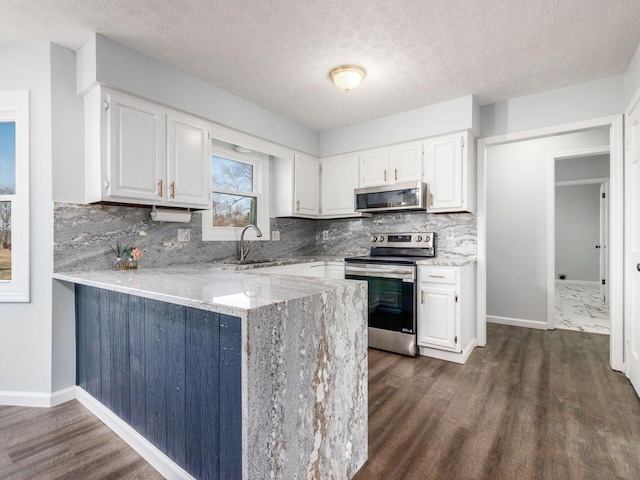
{"x": 390, "y": 270}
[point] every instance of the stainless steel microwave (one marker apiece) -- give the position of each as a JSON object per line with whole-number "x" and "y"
{"x": 389, "y": 198}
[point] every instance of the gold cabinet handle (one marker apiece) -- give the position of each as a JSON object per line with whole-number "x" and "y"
{"x": 160, "y": 185}
{"x": 297, "y": 205}
{"x": 385, "y": 174}
{"x": 422, "y": 297}
{"x": 173, "y": 189}
{"x": 436, "y": 276}
{"x": 396, "y": 174}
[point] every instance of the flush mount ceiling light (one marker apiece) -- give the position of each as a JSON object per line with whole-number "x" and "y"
{"x": 347, "y": 77}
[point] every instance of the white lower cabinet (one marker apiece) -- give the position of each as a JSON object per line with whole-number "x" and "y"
{"x": 335, "y": 270}
{"x": 310, "y": 269}
{"x": 446, "y": 311}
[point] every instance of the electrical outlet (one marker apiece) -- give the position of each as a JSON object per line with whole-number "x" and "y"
{"x": 275, "y": 235}
{"x": 325, "y": 235}
{"x": 450, "y": 234}
{"x": 184, "y": 235}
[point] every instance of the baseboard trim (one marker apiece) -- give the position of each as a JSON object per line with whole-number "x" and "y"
{"x": 158, "y": 460}
{"x": 457, "y": 357}
{"x": 517, "y": 322}
{"x": 37, "y": 399}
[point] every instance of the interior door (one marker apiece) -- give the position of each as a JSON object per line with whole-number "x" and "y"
{"x": 632, "y": 242}
{"x": 604, "y": 241}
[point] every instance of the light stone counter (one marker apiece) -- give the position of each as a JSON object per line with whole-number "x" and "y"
{"x": 447, "y": 261}
{"x": 304, "y": 360}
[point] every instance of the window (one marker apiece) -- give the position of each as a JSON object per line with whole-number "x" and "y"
{"x": 14, "y": 197}
{"x": 239, "y": 186}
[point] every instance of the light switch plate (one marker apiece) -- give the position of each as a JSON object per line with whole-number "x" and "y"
{"x": 275, "y": 235}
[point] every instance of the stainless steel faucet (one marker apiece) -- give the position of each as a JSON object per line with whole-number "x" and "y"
{"x": 244, "y": 251}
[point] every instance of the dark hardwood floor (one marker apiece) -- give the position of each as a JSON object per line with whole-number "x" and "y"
{"x": 532, "y": 404}
{"x": 65, "y": 442}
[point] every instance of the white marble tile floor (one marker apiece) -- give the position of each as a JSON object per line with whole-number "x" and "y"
{"x": 579, "y": 307}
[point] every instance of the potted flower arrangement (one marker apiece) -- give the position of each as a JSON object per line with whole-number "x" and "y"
{"x": 127, "y": 256}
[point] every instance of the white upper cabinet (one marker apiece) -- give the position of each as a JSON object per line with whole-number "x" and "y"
{"x": 188, "y": 161}
{"x": 339, "y": 179}
{"x": 295, "y": 186}
{"x": 449, "y": 172}
{"x": 406, "y": 163}
{"x": 385, "y": 166}
{"x": 374, "y": 168}
{"x": 307, "y": 185}
{"x": 138, "y": 152}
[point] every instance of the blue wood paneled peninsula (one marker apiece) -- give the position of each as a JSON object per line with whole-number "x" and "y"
{"x": 230, "y": 374}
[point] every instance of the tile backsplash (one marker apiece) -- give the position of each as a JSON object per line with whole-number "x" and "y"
{"x": 83, "y": 233}
{"x": 455, "y": 232}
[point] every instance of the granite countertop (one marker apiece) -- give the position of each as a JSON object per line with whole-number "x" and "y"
{"x": 447, "y": 261}
{"x": 220, "y": 288}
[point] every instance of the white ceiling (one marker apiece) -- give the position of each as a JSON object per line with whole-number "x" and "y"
{"x": 278, "y": 53}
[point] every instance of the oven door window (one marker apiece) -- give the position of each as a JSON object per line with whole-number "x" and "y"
{"x": 391, "y": 304}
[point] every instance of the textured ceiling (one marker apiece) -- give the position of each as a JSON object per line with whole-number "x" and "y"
{"x": 278, "y": 53}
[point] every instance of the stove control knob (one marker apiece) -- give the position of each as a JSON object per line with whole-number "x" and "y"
{"x": 419, "y": 238}
{"x": 374, "y": 238}
{"x": 427, "y": 238}
{"x": 382, "y": 238}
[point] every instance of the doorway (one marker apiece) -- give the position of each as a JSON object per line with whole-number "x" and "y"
{"x": 543, "y": 276}
{"x": 580, "y": 248}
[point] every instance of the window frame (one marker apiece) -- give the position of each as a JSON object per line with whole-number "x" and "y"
{"x": 14, "y": 106}
{"x": 260, "y": 164}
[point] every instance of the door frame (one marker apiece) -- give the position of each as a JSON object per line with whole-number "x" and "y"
{"x": 616, "y": 219}
{"x": 551, "y": 216}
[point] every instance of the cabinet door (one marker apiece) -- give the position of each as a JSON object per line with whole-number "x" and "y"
{"x": 136, "y": 155}
{"x": 374, "y": 168}
{"x": 406, "y": 163}
{"x": 307, "y": 186}
{"x": 335, "y": 270}
{"x": 339, "y": 179}
{"x": 188, "y": 163}
{"x": 437, "y": 317}
{"x": 443, "y": 173}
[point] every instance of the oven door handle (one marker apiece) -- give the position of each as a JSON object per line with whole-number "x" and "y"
{"x": 386, "y": 272}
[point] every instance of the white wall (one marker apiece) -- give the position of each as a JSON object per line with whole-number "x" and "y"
{"x": 445, "y": 117}
{"x": 25, "y": 328}
{"x": 632, "y": 78}
{"x": 578, "y": 231}
{"x": 67, "y": 112}
{"x": 108, "y": 62}
{"x": 516, "y": 212}
{"x": 583, "y": 101}
{"x": 582, "y": 168}
{"x": 67, "y": 126}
